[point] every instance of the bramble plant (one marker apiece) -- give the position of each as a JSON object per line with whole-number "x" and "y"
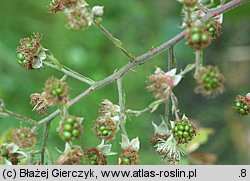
{"x": 201, "y": 23}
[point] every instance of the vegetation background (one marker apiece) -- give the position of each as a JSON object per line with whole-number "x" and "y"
{"x": 140, "y": 24}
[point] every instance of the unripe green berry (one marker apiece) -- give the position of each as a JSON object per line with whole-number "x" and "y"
{"x": 179, "y": 133}
{"x": 181, "y": 127}
{"x": 187, "y": 128}
{"x": 105, "y": 132}
{"x": 185, "y": 134}
{"x": 204, "y": 38}
{"x": 75, "y": 132}
{"x": 22, "y": 136}
{"x": 238, "y": 104}
{"x": 70, "y": 121}
{"x": 59, "y": 91}
{"x": 195, "y": 38}
{"x": 67, "y": 127}
{"x": 92, "y": 162}
{"x": 93, "y": 157}
{"x": 67, "y": 135}
{"x": 242, "y": 111}
{"x": 245, "y": 107}
{"x": 75, "y": 125}
{"x": 4, "y": 152}
{"x": 20, "y": 56}
{"x": 102, "y": 128}
{"x": 126, "y": 161}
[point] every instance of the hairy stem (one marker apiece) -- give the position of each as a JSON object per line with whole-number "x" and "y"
{"x": 69, "y": 72}
{"x": 122, "y": 107}
{"x": 198, "y": 57}
{"x": 115, "y": 41}
{"x": 44, "y": 141}
{"x": 151, "y": 107}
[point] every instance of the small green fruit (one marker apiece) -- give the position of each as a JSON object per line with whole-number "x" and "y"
{"x": 75, "y": 132}
{"x": 67, "y": 135}
{"x": 67, "y": 127}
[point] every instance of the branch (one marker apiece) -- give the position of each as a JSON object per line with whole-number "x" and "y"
{"x": 9, "y": 114}
{"x": 141, "y": 59}
{"x": 70, "y": 72}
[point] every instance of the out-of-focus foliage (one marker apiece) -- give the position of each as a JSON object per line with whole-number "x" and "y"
{"x": 140, "y": 24}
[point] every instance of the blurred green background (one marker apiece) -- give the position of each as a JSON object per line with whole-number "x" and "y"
{"x": 140, "y": 24}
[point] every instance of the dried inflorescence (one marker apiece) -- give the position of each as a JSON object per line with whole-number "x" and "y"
{"x": 39, "y": 102}
{"x": 197, "y": 37}
{"x": 72, "y": 156}
{"x": 107, "y": 108}
{"x": 56, "y": 92}
{"x": 161, "y": 132}
{"x": 70, "y": 128}
{"x": 105, "y": 128}
{"x": 94, "y": 156}
{"x": 189, "y": 3}
{"x": 24, "y": 137}
{"x": 161, "y": 83}
{"x": 242, "y": 104}
{"x": 77, "y": 12}
{"x": 210, "y": 82}
{"x": 30, "y": 52}
{"x": 169, "y": 150}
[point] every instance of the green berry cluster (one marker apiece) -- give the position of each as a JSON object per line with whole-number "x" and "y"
{"x": 92, "y": 158}
{"x": 21, "y": 59}
{"x": 57, "y": 89}
{"x": 214, "y": 28}
{"x": 198, "y": 37}
{"x": 105, "y": 131}
{"x": 210, "y": 79}
{"x": 184, "y": 131}
{"x": 242, "y": 106}
{"x": 71, "y": 129}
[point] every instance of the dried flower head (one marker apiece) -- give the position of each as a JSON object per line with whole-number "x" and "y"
{"x": 183, "y": 130}
{"x": 197, "y": 37}
{"x": 130, "y": 151}
{"x": 70, "y": 128}
{"x": 71, "y": 156}
{"x": 56, "y": 91}
{"x": 77, "y": 12}
{"x": 169, "y": 150}
{"x": 242, "y": 104}
{"x": 107, "y": 108}
{"x": 24, "y": 137}
{"x": 106, "y": 127}
{"x": 39, "y": 102}
{"x": 161, "y": 132}
{"x": 11, "y": 154}
{"x": 209, "y": 81}
{"x": 31, "y": 53}
{"x": 61, "y": 5}
{"x": 189, "y": 3}
{"x": 161, "y": 83}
